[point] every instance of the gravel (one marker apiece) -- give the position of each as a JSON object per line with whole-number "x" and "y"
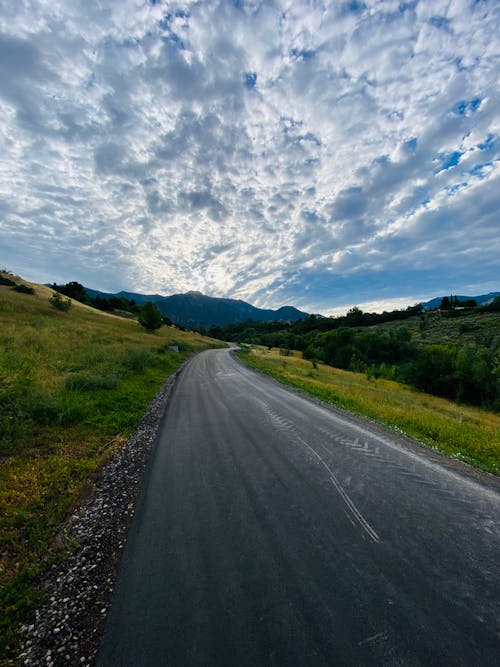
{"x": 68, "y": 629}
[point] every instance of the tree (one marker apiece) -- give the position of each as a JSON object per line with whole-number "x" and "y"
{"x": 469, "y": 303}
{"x": 73, "y": 290}
{"x": 445, "y": 303}
{"x": 150, "y": 317}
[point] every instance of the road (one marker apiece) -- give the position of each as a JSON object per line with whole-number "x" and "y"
{"x": 273, "y": 530}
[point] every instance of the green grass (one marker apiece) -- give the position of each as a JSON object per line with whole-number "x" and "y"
{"x": 466, "y": 433}
{"x": 70, "y": 384}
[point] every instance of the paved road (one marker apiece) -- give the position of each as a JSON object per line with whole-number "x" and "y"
{"x": 272, "y": 530}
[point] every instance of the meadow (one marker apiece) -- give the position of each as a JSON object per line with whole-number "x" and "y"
{"x": 73, "y": 386}
{"x": 463, "y": 432}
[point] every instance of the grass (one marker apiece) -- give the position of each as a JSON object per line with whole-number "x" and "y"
{"x": 466, "y": 433}
{"x": 73, "y": 386}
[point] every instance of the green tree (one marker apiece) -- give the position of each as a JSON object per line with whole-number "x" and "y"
{"x": 434, "y": 370}
{"x": 150, "y": 317}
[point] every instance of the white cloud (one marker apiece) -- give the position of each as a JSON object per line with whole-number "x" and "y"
{"x": 307, "y": 152}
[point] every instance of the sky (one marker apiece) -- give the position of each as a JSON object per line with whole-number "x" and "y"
{"x": 315, "y": 154}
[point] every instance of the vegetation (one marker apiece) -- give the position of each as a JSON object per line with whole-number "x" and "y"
{"x": 23, "y": 289}
{"x": 73, "y": 386}
{"x": 451, "y": 353}
{"x": 120, "y": 305}
{"x": 466, "y": 433}
{"x": 59, "y": 303}
{"x": 150, "y": 317}
{"x": 5, "y": 280}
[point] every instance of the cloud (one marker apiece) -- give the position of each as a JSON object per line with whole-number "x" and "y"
{"x": 317, "y": 154}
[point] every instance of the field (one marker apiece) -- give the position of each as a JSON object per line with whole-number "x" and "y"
{"x": 73, "y": 386}
{"x": 469, "y": 434}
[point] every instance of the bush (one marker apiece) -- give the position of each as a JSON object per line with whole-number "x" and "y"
{"x": 150, "y": 317}
{"x": 24, "y": 289}
{"x": 6, "y": 281}
{"x": 59, "y": 302}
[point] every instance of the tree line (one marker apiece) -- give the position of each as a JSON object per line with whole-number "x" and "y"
{"x": 467, "y": 373}
{"x": 75, "y": 290}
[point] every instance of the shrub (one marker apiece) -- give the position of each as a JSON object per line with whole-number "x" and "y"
{"x": 24, "y": 289}
{"x": 6, "y": 281}
{"x": 59, "y": 302}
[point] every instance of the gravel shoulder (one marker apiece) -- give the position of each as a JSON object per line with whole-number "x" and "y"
{"x": 68, "y": 628}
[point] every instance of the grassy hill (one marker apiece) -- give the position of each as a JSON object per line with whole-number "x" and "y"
{"x": 73, "y": 386}
{"x": 435, "y": 329}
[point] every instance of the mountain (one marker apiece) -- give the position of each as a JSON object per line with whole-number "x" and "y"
{"x": 480, "y": 300}
{"x": 140, "y": 299}
{"x": 194, "y": 309}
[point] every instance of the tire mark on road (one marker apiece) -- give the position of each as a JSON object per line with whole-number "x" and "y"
{"x": 276, "y": 418}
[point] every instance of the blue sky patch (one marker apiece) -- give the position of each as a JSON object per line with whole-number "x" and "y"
{"x": 250, "y": 79}
{"x": 302, "y": 54}
{"x": 449, "y": 160}
{"x": 490, "y": 143}
{"x": 464, "y": 107}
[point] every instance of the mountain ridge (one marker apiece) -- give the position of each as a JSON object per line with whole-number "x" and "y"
{"x": 194, "y": 310}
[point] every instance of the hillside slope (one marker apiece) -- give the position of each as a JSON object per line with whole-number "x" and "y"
{"x": 73, "y": 386}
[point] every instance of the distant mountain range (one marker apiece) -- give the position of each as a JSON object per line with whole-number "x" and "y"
{"x": 194, "y": 309}
{"x": 480, "y": 300}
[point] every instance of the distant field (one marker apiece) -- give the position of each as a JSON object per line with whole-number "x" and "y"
{"x": 73, "y": 386}
{"x": 465, "y": 433}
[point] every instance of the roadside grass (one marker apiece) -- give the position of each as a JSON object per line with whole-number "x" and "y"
{"x": 469, "y": 434}
{"x": 73, "y": 386}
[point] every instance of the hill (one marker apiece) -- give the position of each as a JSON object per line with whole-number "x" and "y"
{"x": 195, "y": 310}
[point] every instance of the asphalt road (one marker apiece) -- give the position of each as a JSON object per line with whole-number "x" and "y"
{"x": 272, "y": 530}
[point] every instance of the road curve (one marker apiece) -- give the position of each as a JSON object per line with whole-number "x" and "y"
{"x": 272, "y": 530}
